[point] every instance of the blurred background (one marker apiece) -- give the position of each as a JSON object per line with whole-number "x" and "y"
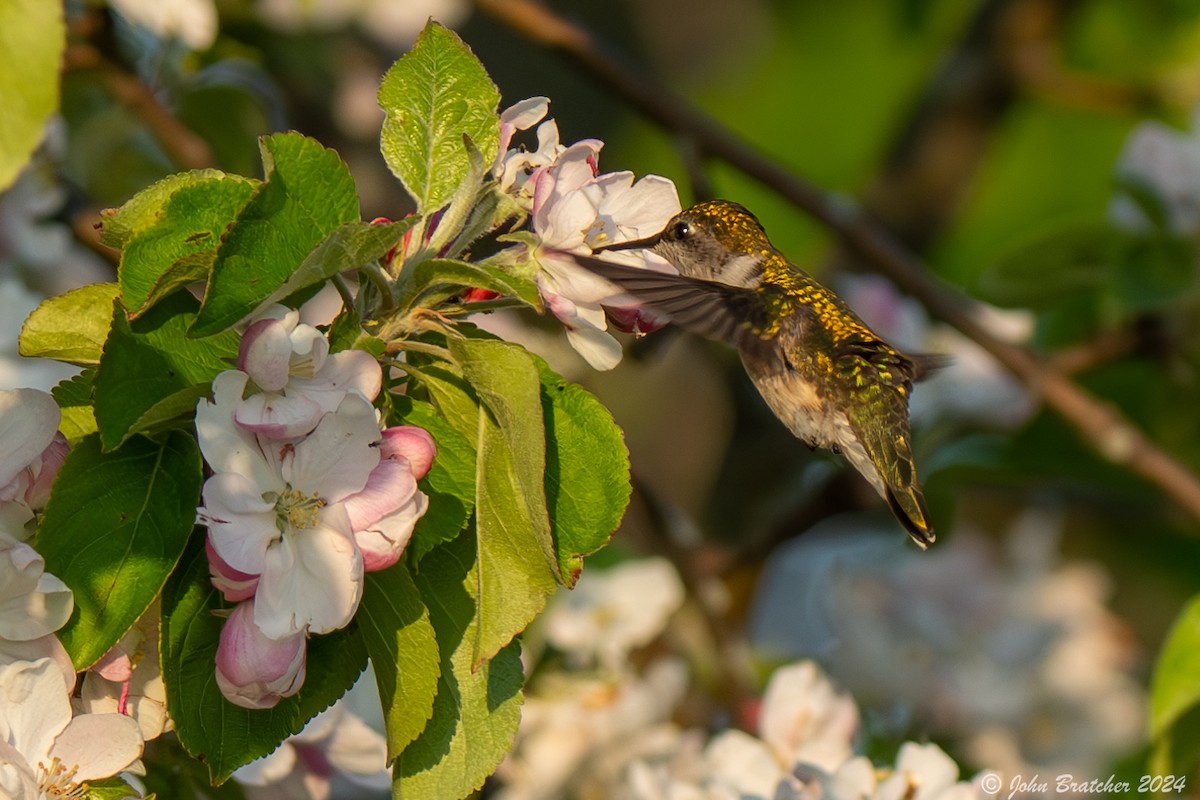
{"x": 1039, "y": 155}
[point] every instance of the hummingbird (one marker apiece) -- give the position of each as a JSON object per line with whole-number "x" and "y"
{"x": 828, "y": 377}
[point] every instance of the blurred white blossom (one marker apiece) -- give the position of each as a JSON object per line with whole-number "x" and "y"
{"x": 1010, "y": 654}
{"x": 1165, "y": 162}
{"x": 194, "y": 22}
{"x": 391, "y": 22}
{"x": 612, "y": 612}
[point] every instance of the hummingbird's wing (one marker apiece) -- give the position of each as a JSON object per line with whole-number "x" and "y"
{"x": 713, "y": 310}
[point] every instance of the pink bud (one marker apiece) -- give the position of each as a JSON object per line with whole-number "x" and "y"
{"x": 234, "y": 585}
{"x": 411, "y": 443}
{"x": 254, "y": 671}
{"x": 265, "y": 354}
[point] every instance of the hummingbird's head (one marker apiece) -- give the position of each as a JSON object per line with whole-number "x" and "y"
{"x": 715, "y": 240}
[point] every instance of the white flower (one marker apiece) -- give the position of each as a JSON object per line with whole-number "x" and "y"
{"x": 194, "y": 22}
{"x": 612, "y": 612}
{"x": 922, "y": 772}
{"x": 516, "y": 169}
{"x": 127, "y": 679}
{"x": 571, "y": 723}
{"x": 335, "y": 742}
{"x": 44, "y": 752}
{"x": 33, "y": 605}
{"x": 805, "y": 720}
{"x": 298, "y": 379}
{"x": 1165, "y": 161}
{"x": 274, "y": 510}
{"x": 31, "y": 451}
{"x": 574, "y": 210}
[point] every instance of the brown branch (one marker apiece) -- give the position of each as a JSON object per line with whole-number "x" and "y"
{"x": 1097, "y": 422}
{"x": 184, "y": 147}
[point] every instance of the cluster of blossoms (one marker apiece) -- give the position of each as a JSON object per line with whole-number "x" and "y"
{"x": 603, "y": 728}
{"x": 307, "y": 494}
{"x": 47, "y": 747}
{"x": 1165, "y": 161}
{"x": 337, "y": 754}
{"x": 1008, "y": 653}
{"x": 574, "y": 208}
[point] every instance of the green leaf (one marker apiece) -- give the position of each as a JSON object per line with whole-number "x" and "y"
{"x": 1050, "y": 268}
{"x": 174, "y": 244}
{"x": 1175, "y": 688}
{"x": 404, "y": 653}
{"x": 113, "y": 530}
{"x": 212, "y": 729}
{"x": 450, "y": 484}
{"x": 452, "y": 395}
{"x": 433, "y": 96}
{"x": 1154, "y": 271}
{"x": 32, "y": 39}
{"x": 347, "y": 248}
{"x": 145, "y": 209}
{"x": 109, "y": 789}
{"x": 151, "y": 373}
{"x": 428, "y": 275}
{"x": 587, "y": 471}
{"x": 478, "y": 706}
{"x": 74, "y": 398}
{"x": 71, "y": 327}
{"x": 308, "y": 193}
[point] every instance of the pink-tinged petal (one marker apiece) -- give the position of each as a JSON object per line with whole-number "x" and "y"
{"x": 324, "y": 306}
{"x": 414, "y": 444}
{"x": 312, "y": 579}
{"x": 383, "y": 542}
{"x": 115, "y": 666}
{"x": 265, "y": 354}
{"x": 268, "y": 769}
{"x": 336, "y": 459}
{"x": 523, "y": 114}
{"x": 634, "y": 319}
{"x": 253, "y": 670}
{"x": 28, "y": 422}
{"x": 98, "y": 745}
{"x": 390, "y": 486}
{"x": 241, "y": 524}
{"x": 45, "y": 470}
{"x": 234, "y": 585}
{"x": 279, "y": 416}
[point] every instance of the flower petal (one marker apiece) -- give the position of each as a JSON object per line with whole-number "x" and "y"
{"x": 28, "y": 421}
{"x": 241, "y": 524}
{"x": 279, "y": 416}
{"x": 234, "y": 585}
{"x": 265, "y": 354}
{"x": 413, "y": 444}
{"x": 99, "y": 745}
{"x": 311, "y": 579}
{"x": 34, "y": 708}
{"x": 383, "y": 542}
{"x": 254, "y": 670}
{"x": 32, "y": 603}
{"x": 336, "y": 459}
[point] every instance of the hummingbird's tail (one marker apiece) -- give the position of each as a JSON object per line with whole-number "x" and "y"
{"x": 884, "y": 439}
{"x": 909, "y": 507}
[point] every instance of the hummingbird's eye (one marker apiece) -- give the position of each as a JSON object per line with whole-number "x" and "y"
{"x": 681, "y": 231}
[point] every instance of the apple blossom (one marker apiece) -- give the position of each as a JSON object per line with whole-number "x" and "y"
{"x": 127, "y": 679}
{"x": 44, "y": 751}
{"x": 297, "y": 378}
{"x": 385, "y": 512}
{"x": 274, "y": 510}
{"x": 612, "y": 612}
{"x": 576, "y": 209}
{"x": 33, "y": 605}
{"x": 31, "y": 451}
{"x": 336, "y": 744}
{"x": 253, "y": 670}
{"x": 805, "y": 720}
{"x": 516, "y": 169}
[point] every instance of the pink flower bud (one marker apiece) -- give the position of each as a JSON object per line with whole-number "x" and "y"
{"x": 234, "y": 585}
{"x": 411, "y": 443}
{"x": 254, "y": 671}
{"x": 633, "y": 319}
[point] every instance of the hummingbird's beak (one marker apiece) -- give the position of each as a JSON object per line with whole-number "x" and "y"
{"x": 646, "y": 243}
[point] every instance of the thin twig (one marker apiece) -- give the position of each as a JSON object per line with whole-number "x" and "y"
{"x": 1100, "y": 425}
{"x": 186, "y": 148}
